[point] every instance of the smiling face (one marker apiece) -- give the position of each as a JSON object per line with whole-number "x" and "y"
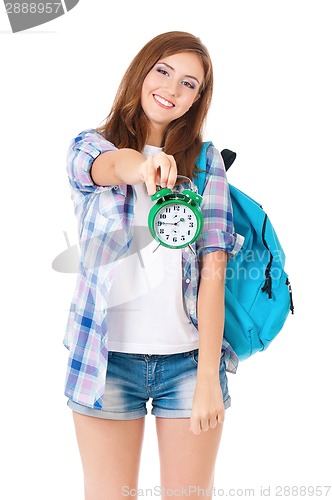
{"x": 169, "y": 90}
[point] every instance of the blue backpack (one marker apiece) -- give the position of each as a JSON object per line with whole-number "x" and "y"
{"x": 258, "y": 295}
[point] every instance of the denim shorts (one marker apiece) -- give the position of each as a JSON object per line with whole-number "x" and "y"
{"x": 169, "y": 379}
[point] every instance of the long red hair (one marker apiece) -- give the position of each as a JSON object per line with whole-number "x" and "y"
{"x": 126, "y": 126}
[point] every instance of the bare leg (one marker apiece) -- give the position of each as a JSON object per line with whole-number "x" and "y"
{"x": 110, "y": 452}
{"x": 187, "y": 459}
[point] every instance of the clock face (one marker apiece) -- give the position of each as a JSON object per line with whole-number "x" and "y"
{"x": 175, "y": 224}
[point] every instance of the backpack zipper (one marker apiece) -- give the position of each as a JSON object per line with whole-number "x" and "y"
{"x": 290, "y": 295}
{"x": 268, "y": 280}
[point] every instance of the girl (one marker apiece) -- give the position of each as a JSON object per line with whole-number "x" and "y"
{"x": 147, "y": 323}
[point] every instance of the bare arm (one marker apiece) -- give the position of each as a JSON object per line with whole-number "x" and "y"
{"x": 210, "y": 304}
{"x": 208, "y": 408}
{"x": 105, "y": 168}
{"x": 127, "y": 166}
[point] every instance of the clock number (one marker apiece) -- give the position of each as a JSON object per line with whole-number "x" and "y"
{"x": 189, "y": 216}
{"x": 189, "y": 231}
{"x": 177, "y": 207}
{"x": 191, "y": 224}
{"x": 175, "y": 239}
{"x": 167, "y": 236}
{"x": 162, "y": 231}
{"x": 167, "y": 209}
{"x": 182, "y": 238}
{"x": 163, "y": 216}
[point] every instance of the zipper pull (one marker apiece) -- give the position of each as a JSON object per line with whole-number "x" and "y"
{"x": 290, "y": 295}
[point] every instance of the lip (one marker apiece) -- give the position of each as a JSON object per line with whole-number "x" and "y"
{"x": 162, "y": 105}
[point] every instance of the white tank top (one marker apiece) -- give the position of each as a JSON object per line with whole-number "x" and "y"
{"x": 146, "y": 312}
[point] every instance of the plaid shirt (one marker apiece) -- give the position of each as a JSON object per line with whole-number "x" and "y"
{"x": 105, "y": 230}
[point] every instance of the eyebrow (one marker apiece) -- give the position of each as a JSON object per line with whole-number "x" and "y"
{"x": 186, "y": 76}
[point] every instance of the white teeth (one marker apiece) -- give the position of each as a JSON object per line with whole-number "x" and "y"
{"x": 163, "y": 101}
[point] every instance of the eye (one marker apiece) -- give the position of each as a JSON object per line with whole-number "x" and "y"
{"x": 189, "y": 85}
{"x": 162, "y": 71}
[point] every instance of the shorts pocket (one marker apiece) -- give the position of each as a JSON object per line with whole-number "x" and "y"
{"x": 194, "y": 356}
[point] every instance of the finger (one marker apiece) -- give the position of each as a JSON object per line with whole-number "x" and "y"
{"x": 150, "y": 186}
{"x": 149, "y": 176}
{"x": 163, "y": 165}
{"x": 204, "y": 425}
{"x": 163, "y": 176}
{"x": 195, "y": 426}
{"x": 213, "y": 422}
{"x": 220, "y": 418}
{"x": 172, "y": 173}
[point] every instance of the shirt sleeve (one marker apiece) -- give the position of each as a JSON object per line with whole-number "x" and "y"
{"x": 218, "y": 229}
{"x": 82, "y": 152}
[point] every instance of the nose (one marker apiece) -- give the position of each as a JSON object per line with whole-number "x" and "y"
{"x": 172, "y": 88}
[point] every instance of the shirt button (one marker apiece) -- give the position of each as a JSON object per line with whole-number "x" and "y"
{"x": 187, "y": 280}
{"x": 115, "y": 187}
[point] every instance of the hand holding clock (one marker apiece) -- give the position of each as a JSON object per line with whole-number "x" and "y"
{"x": 160, "y": 169}
{"x": 127, "y": 166}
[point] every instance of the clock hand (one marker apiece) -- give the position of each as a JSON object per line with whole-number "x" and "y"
{"x": 173, "y": 223}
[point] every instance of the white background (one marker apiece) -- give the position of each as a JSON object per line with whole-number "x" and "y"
{"x": 272, "y": 105}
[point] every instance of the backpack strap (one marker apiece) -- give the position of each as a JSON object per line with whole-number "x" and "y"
{"x": 227, "y": 155}
{"x": 201, "y": 163}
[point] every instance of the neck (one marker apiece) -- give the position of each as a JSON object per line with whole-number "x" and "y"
{"x": 155, "y": 137}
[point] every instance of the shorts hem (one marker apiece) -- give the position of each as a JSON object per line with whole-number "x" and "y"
{"x": 163, "y": 412}
{"x": 227, "y": 402}
{"x": 85, "y": 410}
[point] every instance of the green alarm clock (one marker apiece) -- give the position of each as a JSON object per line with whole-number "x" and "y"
{"x": 176, "y": 220}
